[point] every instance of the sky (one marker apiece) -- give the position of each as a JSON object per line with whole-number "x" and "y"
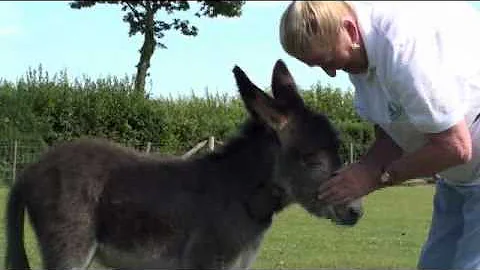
{"x": 94, "y": 42}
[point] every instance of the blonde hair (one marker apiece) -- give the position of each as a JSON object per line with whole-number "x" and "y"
{"x": 305, "y": 24}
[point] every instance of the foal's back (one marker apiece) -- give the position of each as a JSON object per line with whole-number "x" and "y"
{"x": 76, "y": 170}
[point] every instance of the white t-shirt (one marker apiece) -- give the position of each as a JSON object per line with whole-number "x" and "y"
{"x": 424, "y": 73}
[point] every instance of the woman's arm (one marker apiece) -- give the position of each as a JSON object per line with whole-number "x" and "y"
{"x": 443, "y": 150}
{"x": 382, "y": 152}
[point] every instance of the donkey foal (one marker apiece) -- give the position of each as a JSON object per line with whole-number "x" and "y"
{"x": 92, "y": 199}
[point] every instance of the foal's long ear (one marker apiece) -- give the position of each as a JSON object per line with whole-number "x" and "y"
{"x": 260, "y": 105}
{"x": 284, "y": 88}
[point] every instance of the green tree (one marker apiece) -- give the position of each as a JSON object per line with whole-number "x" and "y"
{"x": 140, "y": 15}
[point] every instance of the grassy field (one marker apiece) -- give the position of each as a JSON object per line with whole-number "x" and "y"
{"x": 389, "y": 236}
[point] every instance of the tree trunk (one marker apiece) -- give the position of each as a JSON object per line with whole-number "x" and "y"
{"x": 146, "y": 51}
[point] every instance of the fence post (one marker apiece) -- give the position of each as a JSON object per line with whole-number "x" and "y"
{"x": 194, "y": 149}
{"x": 149, "y": 145}
{"x": 14, "y": 165}
{"x": 211, "y": 143}
{"x": 351, "y": 153}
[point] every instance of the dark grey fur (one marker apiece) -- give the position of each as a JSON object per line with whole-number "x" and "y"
{"x": 93, "y": 199}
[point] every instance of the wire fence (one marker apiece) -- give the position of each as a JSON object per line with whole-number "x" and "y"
{"x": 16, "y": 154}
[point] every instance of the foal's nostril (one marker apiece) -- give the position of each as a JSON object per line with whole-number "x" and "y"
{"x": 355, "y": 213}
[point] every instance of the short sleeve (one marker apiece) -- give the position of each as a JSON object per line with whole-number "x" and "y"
{"x": 419, "y": 75}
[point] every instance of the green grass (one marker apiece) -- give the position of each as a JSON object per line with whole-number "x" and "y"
{"x": 390, "y": 235}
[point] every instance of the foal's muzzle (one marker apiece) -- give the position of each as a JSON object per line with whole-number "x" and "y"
{"x": 346, "y": 215}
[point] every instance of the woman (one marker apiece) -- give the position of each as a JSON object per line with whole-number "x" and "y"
{"x": 416, "y": 72}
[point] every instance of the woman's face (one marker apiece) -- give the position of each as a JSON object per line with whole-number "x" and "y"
{"x": 343, "y": 57}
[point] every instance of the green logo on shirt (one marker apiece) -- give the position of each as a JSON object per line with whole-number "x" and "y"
{"x": 394, "y": 110}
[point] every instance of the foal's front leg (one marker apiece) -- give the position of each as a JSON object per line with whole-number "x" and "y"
{"x": 249, "y": 255}
{"x": 200, "y": 252}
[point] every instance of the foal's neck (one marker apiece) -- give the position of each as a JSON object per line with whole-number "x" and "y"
{"x": 249, "y": 159}
{"x": 246, "y": 166}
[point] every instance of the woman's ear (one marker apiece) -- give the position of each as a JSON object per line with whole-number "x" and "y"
{"x": 351, "y": 27}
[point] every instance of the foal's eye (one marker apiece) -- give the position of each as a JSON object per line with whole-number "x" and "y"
{"x": 312, "y": 160}
{"x": 317, "y": 164}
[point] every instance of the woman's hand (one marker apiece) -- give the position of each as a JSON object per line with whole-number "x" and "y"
{"x": 351, "y": 182}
